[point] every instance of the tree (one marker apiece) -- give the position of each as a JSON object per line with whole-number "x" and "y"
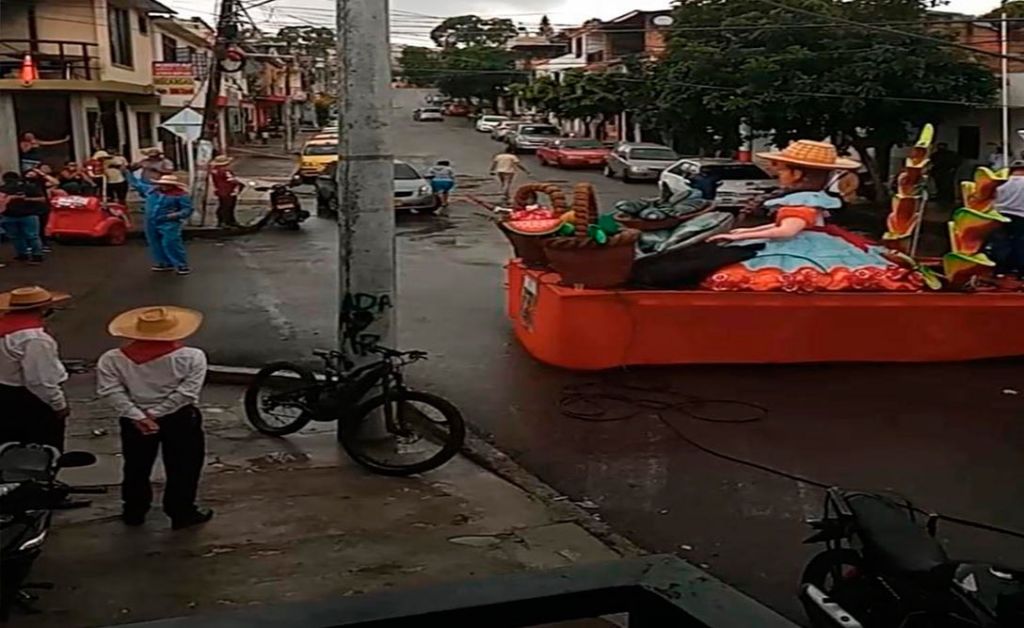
{"x": 419, "y": 66}
{"x": 472, "y": 30}
{"x": 307, "y": 40}
{"x": 478, "y": 72}
{"x": 545, "y": 29}
{"x": 849, "y": 83}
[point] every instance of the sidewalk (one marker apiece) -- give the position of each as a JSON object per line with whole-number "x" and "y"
{"x": 295, "y": 520}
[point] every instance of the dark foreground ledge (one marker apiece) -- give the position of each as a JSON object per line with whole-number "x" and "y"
{"x": 655, "y": 592}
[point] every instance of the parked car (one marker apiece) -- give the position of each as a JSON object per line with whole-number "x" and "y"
{"x": 412, "y": 190}
{"x": 457, "y": 110}
{"x": 316, "y": 155}
{"x": 500, "y": 132}
{"x": 428, "y": 114}
{"x": 530, "y": 137}
{"x": 567, "y": 152}
{"x": 639, "y": 161}
{"x": 737, "y": 182}
{"x": 486, "y": 124}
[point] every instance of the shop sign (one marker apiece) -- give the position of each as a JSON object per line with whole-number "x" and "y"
{"x": 174, "y": 79}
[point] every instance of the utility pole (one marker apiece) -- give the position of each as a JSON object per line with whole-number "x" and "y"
{"x": 1004, "y": 44}
{"x": 226, "y": 32}
{"x": 288, "y": 132}
{"x": 365, "y": 173}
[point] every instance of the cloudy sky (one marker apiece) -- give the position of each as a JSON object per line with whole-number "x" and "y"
{"x": 412, "y": 19}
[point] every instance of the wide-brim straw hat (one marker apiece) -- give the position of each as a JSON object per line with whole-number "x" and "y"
{"x": 169, "y": 179}
{"x": 156, "y": 322}
{"x": 101, "y": 154}
{"x": 30, "y": 298}
{"x": 220, "y": 160}
{"x": 152, "y": 150}
{"x": 811, "y": 154}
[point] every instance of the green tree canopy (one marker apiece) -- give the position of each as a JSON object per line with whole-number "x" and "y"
{"x": 545, "y": 29}
{"x": 795, "y": 79}
{"x": 419, "y": 66}
{"x": 472, "y": 30}
{"x": 309, "y": 40}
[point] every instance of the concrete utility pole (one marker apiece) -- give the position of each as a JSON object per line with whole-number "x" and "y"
{"x": 366, "y": 214}
{"x": 226, "y": 32}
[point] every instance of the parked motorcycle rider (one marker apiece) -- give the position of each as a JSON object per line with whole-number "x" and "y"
{"x": 31, "y": 374}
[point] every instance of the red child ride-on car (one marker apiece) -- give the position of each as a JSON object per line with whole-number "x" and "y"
{"x": 568, "y": 152}
{"x": 87, "y": 217}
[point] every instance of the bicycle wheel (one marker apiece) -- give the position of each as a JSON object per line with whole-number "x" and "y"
{"x": 427, "y": 432}
{"x": 280, "y": 399}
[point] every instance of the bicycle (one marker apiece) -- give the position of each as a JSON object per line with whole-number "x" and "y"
{"x": 285, "y": 397}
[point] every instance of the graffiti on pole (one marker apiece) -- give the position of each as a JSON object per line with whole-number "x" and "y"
{"x": 359, "y": 311}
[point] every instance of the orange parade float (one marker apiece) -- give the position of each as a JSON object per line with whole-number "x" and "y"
{"x": 673, "y": 282}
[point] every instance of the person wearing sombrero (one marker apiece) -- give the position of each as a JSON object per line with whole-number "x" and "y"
{"x": 802, "y": 253}
{"x": 153, "y": 383}
{"x": 226, "y": 187}
{"x": 167, "y": 207}
{"x": 33, "y": 407}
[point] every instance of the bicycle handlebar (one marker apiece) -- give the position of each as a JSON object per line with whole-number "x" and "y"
{"x": 378, "y": 349}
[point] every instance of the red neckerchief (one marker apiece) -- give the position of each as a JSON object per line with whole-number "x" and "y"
{"x": 18, "y": 321}
{"x": 142, "y": 351}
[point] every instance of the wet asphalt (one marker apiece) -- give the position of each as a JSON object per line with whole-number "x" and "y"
{"x": 948, "y": 436}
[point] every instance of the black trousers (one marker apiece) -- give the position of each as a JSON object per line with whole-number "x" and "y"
{"x": 184, "y": 447}
{"x": 226, "y": 210}
{"x": 117, "y": 192}
{"x": 27, "y": 419}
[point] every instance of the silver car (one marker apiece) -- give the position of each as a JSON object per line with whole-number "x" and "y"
{"x": 412, "y": 191}
{"x": 639, "y": 161}
{"x": 502, "y": 131}
{"x": 529, "y": 137}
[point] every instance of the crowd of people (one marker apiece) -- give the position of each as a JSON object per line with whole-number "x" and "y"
{"x": 152, "y": 383}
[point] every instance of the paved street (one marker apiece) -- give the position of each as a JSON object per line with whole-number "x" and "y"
{"x": 947, "y": 436}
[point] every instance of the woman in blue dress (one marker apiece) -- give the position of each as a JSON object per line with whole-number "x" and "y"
{"x": 801, "y": 252}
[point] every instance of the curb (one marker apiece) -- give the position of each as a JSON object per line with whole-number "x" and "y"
{"x": 199, "y": 233}
{"x": 480, "y": 451}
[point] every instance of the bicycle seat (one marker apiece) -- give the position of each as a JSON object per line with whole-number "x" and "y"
{"x": 892, "y": 538}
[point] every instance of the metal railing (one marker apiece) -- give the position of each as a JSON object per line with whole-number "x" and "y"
{"x": 654, "y": 592}
{"x": 54, "y": 58}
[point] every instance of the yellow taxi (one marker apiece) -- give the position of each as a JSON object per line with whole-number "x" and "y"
{"x": 316, "y": 155}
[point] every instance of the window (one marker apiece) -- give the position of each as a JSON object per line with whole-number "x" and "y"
{"x": 120, "y": 27}
{"x": 169, "y": 46}
{"x": 143, "y": 24}
{"x": 320, "y": 150}
{"x": 144, "y": 120}
{"x": 405, "y": 172}
{"x": 653, "y": 154}
{"x": 190, "y": 54}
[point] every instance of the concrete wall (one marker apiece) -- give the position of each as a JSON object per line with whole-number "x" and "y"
{"x": 141, "y": 72}
{"x": 8, "y": 135}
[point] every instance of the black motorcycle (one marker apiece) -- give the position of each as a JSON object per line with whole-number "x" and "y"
{"x": 29, "y": 493}
{"x": 883, "y": 569}
{"x": 285, "y": 209}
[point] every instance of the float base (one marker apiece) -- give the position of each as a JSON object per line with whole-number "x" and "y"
{"x": 600, "y": 329}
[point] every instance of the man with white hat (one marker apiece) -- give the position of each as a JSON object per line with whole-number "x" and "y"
{"x": 167, "y": 208}
{"x": 226, "y": 187}
{"x": 153, "y": 383}
{"x": 34, "y": 408}
{"x": 154, "y": 165}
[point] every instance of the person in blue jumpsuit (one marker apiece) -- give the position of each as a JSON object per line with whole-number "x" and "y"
{"x": 167, "y": 207}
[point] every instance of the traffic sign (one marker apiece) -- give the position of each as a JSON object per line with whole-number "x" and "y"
{"x": 186, "y": 124}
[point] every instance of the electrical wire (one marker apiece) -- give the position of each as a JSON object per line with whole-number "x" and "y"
{"x": 590, "y": 401}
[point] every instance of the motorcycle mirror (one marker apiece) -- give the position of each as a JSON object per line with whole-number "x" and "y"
{"x": 74, "y": 459}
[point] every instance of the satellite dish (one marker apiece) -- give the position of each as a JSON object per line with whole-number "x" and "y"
{"x": 662, "y": 20}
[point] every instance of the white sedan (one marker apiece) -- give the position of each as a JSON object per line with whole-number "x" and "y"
{"x": 736, "y": 182}
{"x": 486, "y": 124}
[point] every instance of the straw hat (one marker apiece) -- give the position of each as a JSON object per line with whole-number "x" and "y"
{"x": 159, "y": 322}
{"x": 152, "y": 150}
{"x": 811, "y": 154}
{"x": 30, "y": 298}
{"x": 101, "y": 154}
{"x": 169, "y": 179}
{"x": 220, "y": 160}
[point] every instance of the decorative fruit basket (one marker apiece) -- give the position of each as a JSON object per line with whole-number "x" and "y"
{"x": 529, "y": 224}
{"x": 599, "y": 253}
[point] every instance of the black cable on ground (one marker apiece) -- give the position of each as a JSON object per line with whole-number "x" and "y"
{"x": 591, "y": 401}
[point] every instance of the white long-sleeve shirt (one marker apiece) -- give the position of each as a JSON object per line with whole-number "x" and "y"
{"x": 1010, "y": 196}
{"x": 158, "y": 387}
{"x": 29, "y": 359}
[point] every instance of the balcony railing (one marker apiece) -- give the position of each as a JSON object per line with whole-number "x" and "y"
{"x": 55, "y": 59}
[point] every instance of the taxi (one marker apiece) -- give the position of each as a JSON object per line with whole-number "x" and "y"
{"x": 316, "y": 155}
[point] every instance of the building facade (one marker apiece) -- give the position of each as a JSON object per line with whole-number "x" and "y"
{"x": 94, "y": 87}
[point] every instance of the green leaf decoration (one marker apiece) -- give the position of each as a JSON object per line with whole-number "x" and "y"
{"x": 567, "y": 229}
{"x": 597, "y": 234}
{"x": 608, "y": 224}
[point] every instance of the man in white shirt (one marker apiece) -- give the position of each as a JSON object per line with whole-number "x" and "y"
{"x": 153, "y": 383}
{"x": 33, "y": 408}
{"x": 1008, "y": 243}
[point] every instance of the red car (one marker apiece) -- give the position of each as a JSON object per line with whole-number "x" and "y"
{"x": 456, "y": 110}
{"x": 573, "y": 153}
